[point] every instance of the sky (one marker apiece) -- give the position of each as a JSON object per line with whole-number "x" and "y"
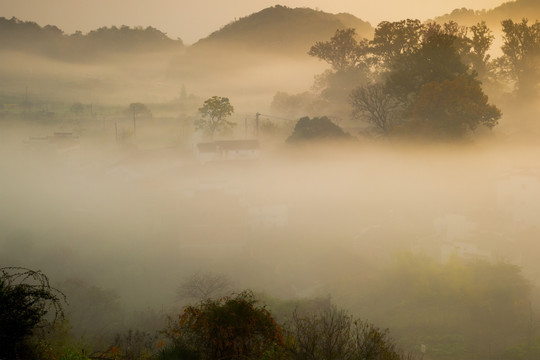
{"x": 191, "y": 20}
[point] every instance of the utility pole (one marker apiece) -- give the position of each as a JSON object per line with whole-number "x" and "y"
{"x": 134, "y": 127}
{"x": 257, "y": 124}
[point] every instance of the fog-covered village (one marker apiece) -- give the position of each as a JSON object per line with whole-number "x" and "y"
{"x": 298, "y": 184}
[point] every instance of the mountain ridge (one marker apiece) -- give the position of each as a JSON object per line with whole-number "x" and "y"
{"x": 515, "y": 10}
{"x": 283, "y": 28}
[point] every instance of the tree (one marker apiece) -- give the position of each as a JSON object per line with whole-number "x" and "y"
{"x": 318, "y": 128}
{"x": 394, "y": 39}
{"x": 350, "y": 68}
{"x": 343, "y": 51}
{"x": 374, "y": 104}
{"x": 435, "y": 61}
{"x": 333, "y": 334}
{"x": 203, "y": 286}
{"x": 214, "y": 114}
{"x": 227, "y": 328}
{"x": 451, "y": 108}
{"x": 91, "y": 310}
{"x": 138, "y": 109}
{"x": 26, "y": 297}
{"x": 521, "y": 54}
{"x": 481, "y": 41}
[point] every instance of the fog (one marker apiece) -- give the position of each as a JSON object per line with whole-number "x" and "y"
{"x": 290, "y": 223}
{"x": 437, "y": 240}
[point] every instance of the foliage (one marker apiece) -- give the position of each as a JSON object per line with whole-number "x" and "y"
{"x": 374, "y": 104}
{"x": 395, "y": 39}
{"x": 202, "y": 286}
{"x": 333, "y": 334}
{"x": 455, "y": 308}
{"x": 26, "y": 298}
{"x": 93, "y": 312}
{"x": 479, "y": 58}
{"x": 139, "y": 109}
{"x": 431, "y": 81}
{"x": 214, "y": 114}
{"x": 350, "y": 67}
{"x": 227, "y": 328}
{"x": 521, "y": 54}
{"x": 525, "y": 351}
{"x": 343, "y": 52}
{"x": 317, "y": 128}
{"x": 452, "y": 108}
{"x": 51, "y": 41}
{"x": 134, "y": 345}
{"x": 436, "y": 60}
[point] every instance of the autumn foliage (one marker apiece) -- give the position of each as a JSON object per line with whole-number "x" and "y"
{"x": 451, "y": 108}
{"x": 227, "y": 328}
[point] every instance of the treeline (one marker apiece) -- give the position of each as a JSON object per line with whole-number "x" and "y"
{"x": 424, "y": 80}
{"x": 455, "y": 310}
{"x": 51, "y": 41}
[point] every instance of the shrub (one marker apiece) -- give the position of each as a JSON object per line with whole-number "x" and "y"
{"x": 26, "y": 297}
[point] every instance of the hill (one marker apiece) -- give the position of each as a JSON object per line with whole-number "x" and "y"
{"x": 283, "y": 30}
{"x": 50, "y": 41}
{"x": 515, "y": 10}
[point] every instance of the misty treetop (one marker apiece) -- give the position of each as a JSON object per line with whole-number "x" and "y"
{"x": 214, "y": 113}
{"x": 317, "y": 128}
{"x": 412, "y": 77}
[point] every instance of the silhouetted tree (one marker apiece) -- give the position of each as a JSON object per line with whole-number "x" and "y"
{"x": 227, "y": 328}
{"x": 374, "y": 104}
{"x": 343, "y": 52}
{"x": 479, "y": 58}
{"x": 214, "y": 114}
{"x": 394, "y": 39}
{"x": 521, "y": 55}
{"x": 451, "y": 108}
{"x": 202, "y": 286}
{"x": 318, "y": 128}
{"x": 350, "y": 67}
{"x": 435, "y": 61}
{"x": 333, "y": 334}
{"x": 138, "y": 109}
{"x": 26, "y": 297}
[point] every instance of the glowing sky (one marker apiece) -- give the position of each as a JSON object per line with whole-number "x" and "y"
{"x": 194, "y": 19}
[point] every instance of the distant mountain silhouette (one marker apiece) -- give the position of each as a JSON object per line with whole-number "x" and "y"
{"x": 50, "y": 41}
{"x": 280, "y": 29}
{"x": 515, "y": 10}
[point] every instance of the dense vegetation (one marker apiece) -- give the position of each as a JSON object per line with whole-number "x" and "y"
{"x": 458, "y": 309}
{"x": 52, "y": 42}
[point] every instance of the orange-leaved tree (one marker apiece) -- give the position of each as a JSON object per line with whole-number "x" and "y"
{"x": 451, "y": 108}
{"x": 228, "y": 328}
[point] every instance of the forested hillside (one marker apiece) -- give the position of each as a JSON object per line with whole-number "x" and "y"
{"x": 50, "y": 41}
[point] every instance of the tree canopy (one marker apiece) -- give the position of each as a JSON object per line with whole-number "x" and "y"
{"x": 521, "y": 55}
{"x": 343, "y": 52}
{"x": 214, "y": 112}
{"x": 317, "y": 128}
{"x": 25, "y": 299}
{"x": 234, "y": 327}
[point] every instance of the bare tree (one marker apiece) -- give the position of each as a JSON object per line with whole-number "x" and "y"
{"x": 332, "y": 334}
{"x": 375, "y": 105}
{"x": 202, "y": 286}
